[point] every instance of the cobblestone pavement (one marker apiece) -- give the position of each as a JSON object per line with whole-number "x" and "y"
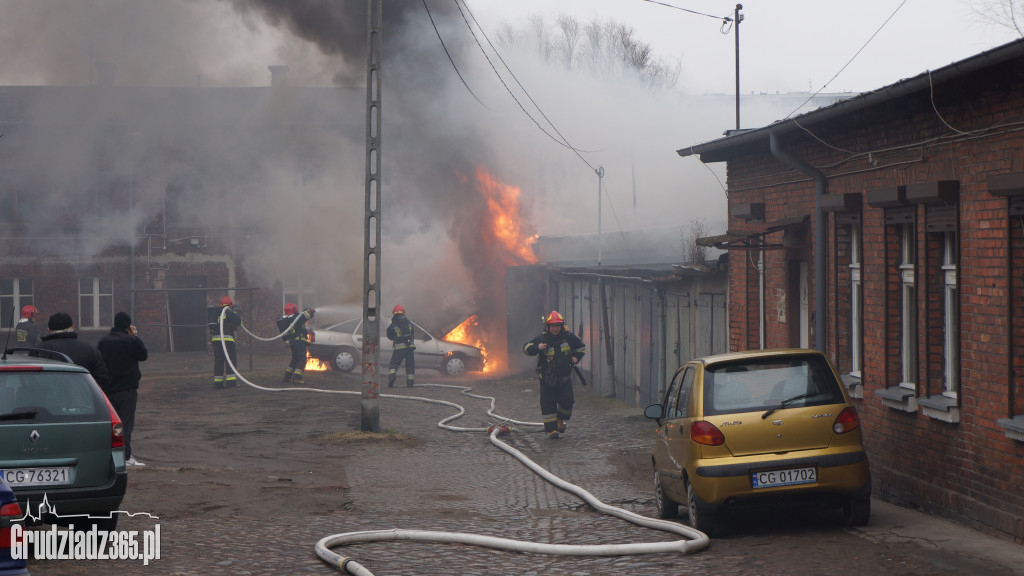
{"x": 246, "y": 481}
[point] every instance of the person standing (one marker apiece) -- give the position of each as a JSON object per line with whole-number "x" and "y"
{"x": 27, "y": 333}
{"x": 293, "y": 324}
{"x": 400, "y": 332}
{"x": 222, "y": 376}
{"x": 63, "y": 338}
{"x": 122, "y": 350}
{"x": 557, "y": 351}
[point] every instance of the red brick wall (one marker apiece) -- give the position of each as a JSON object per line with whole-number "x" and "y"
{"x": 968, "y": 471}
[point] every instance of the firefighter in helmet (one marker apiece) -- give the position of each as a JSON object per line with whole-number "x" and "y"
{"x": 294, "y": 333}
{"x": 27, "y": 333}
{"x": 221, "y": 375}
{"x": 557, "y": 351}
{"x": 400, "y": 332}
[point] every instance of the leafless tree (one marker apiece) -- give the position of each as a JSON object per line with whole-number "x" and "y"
{"x": 1004, "y": 13}
{"x": 571, "y": 31}
{"x": 508, "y": 36}
{"x": 693, "y": 252}
{"x": 610, "y": 50}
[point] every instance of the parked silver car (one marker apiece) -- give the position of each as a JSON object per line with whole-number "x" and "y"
{"x": 340, "y": 345}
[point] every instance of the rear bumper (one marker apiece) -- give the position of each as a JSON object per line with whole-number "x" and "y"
{"x": 839, "y": 473}
{"x": 74, "y": 501}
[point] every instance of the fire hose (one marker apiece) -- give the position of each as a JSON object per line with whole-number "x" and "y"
{"x": 693, "y": 540}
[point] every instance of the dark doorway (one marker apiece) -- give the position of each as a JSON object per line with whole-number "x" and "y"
{"x": 187, "y": 310}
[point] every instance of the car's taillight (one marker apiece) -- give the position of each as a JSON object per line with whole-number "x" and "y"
{"x": 19, "y": 368}
{"x": 116, "y": 426}
{"x": 703, "y": 432}
{"x": 846, "y": 421}
{"x": 8, "y": 511}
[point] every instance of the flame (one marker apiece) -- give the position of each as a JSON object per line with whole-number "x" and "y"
{"x": 503, "y": 207}
{"x": 314, "y": 364}
{"x": 469, "y": 332}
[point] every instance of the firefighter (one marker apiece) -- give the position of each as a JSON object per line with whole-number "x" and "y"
{"x": 557, "y": 351}
{"x": 400, "y": 333}
{"x": 221, "y": 375}
{"x": 293, "y": 328}
{"x": 27, "y": 333}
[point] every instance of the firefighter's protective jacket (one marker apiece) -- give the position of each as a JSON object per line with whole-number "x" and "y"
{"x": 298, "y": 331}
{"x": 555, "y": 359}
{"x": 231, "y": 321}
{"x": 400, "y": 332}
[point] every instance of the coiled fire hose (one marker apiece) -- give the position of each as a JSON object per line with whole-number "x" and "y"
{"x": 694, "y": 540}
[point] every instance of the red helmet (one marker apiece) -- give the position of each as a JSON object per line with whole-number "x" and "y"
{"x": 226, "y": 301}
{"x": 290, "y": 309}
{"x": 29, "y": 311}
{"x": 398, "y": 309}
{"x": 554, "y": 318}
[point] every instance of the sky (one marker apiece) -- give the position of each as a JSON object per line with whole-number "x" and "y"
{"x": 788, "y": 45}
{"x": 588, "y": 149}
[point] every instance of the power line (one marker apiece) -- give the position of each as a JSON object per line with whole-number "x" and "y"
{"x": 850, "y": 61}
{"x": 723, "y": 19}
{"x": 432, "y": 23}
{"x": 564, "y": 141}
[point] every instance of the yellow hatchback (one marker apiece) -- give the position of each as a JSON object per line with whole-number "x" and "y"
{"x": 748, "y": 427}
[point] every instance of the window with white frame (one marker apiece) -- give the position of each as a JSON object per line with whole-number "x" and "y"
{"x": 951, "y": 316}
{"x": 95, "y": 302}
{"x": 302, "y": 295}
{"x": 14, "y": 294}
{"x": 856, "y": 307}
{"x": 908, "y": 308}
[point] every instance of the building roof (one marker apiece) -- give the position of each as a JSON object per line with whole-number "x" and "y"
{"x": 724, "y": 148}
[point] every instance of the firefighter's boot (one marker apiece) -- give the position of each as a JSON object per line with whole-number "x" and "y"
{"x": 391, "y": 379}
{"x": 560, "y": 424}
{"x": 287, "y": 376}
{"x": 297, "y": 377}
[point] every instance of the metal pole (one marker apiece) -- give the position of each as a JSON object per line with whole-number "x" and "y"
{"x": 739, "y": 18}
{"x": 600, "y": 178}
{"x": 371, "y": 263}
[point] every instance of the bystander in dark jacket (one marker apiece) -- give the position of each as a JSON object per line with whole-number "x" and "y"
{"x": 122, "y": 350}
{"x": 63, "y": 338}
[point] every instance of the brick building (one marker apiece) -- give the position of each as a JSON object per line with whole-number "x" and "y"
{"x": 158, "y": 201}
{"x": 888, "y": 231}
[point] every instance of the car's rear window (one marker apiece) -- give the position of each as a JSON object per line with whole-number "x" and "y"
{"x": 53, "y": 396}
{"x": 761, "y": 384}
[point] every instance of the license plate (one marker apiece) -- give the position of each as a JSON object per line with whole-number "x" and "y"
{"x": 784, "y": 477}
{"x": 53, "y": 476}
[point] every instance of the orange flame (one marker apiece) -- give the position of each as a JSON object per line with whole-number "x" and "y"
{"x": 503, "y": 207}
{"x": 469, "y": 332}
{"x": 314, "y": 364}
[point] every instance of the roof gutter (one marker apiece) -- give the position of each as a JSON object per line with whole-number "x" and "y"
{"x": 819, "y": 234}
{"x": 715, "y": 149}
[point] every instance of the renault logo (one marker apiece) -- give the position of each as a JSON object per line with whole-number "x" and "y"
{"x": 34, "y": 436}
{"x": 778, "y": 422}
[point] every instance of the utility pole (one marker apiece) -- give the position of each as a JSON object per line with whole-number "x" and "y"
{"x": 600, "y": 179}
{"x": 369, "y": 404}
{"x": 739, "y": 18}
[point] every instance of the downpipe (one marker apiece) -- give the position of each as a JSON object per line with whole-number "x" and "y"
{"x": 820, "y": 185}
{"x": 693, "y": 540}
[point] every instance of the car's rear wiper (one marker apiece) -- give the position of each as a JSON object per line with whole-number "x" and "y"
{"x": 20, "y": 414}
{"x": 785, "y": 403}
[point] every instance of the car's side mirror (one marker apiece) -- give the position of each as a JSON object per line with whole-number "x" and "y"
{"x": 654, "y": 412}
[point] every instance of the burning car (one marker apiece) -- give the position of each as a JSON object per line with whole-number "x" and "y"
{"x": 340, "y": 345}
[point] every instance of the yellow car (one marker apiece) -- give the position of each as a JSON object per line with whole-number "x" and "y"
{"x": 748, "y": 427}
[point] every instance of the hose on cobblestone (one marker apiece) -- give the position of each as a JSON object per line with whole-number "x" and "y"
{"x": 694, "y": 540}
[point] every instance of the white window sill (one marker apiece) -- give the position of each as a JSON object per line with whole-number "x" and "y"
{"x": 854, "y": 385}
{"x": 1013, "y": 427}
{"x": 941, "y": 408}
{"x": 898, "y": 398}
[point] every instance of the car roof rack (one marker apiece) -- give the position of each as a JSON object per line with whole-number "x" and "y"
{"x": 36, "y": 352}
